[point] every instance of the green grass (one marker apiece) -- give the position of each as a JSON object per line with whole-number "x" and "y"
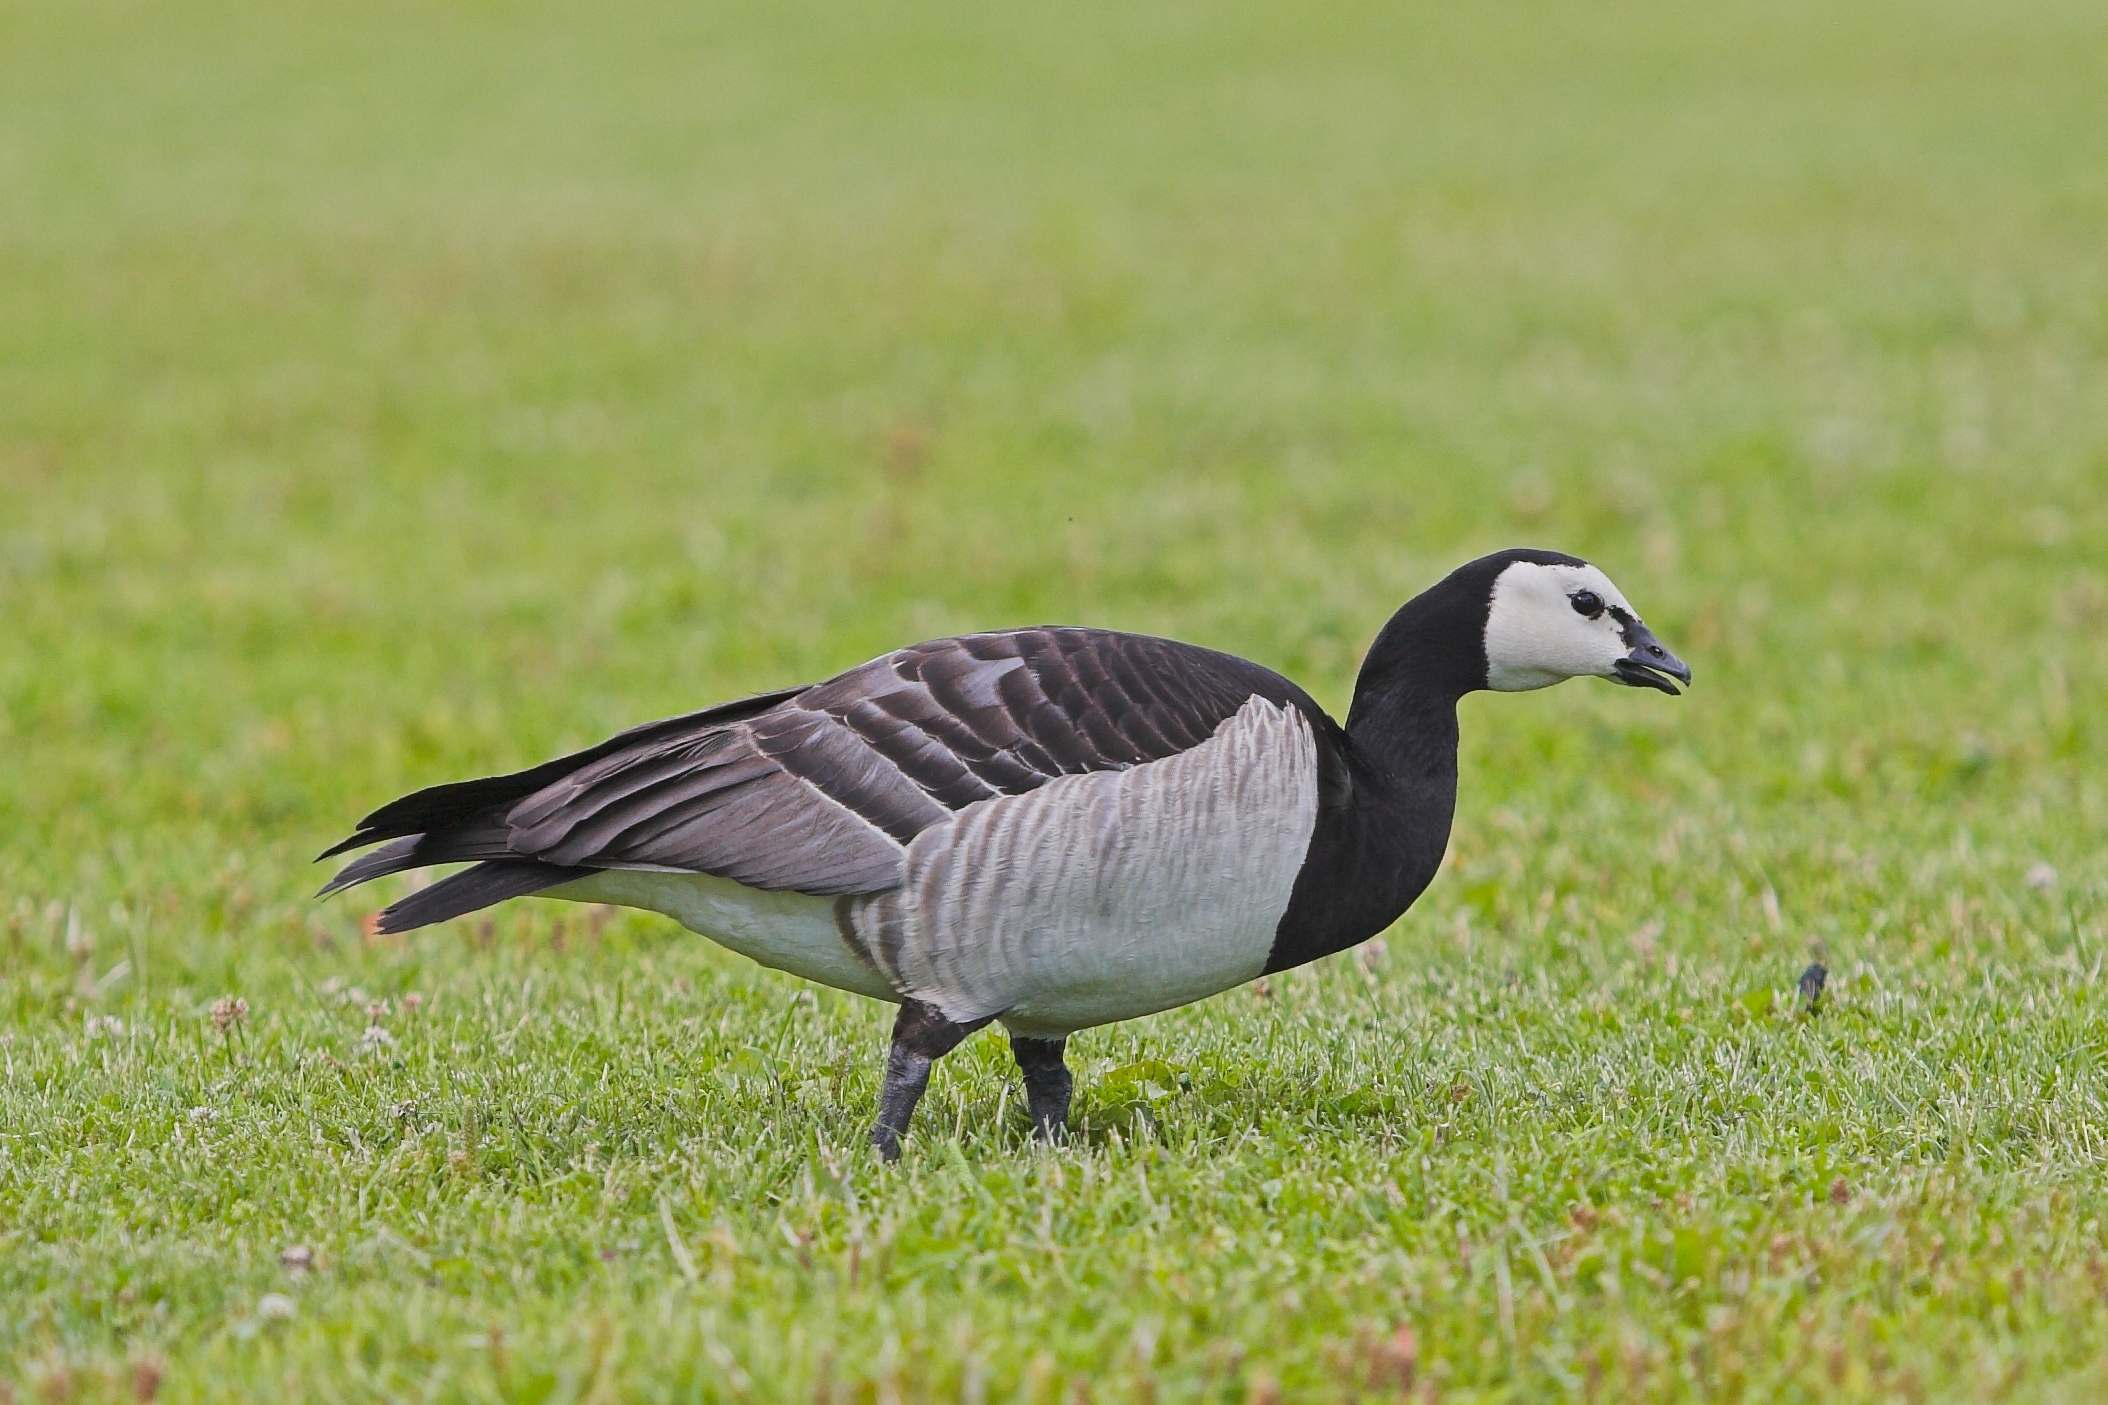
{"x": 391, "y": 393}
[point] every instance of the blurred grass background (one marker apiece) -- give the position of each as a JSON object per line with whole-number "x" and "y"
{"x": 400, "y": 392}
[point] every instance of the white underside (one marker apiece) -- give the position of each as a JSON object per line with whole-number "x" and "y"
{"x": 1094, "y": 898}
{"x": 792, "y": 932}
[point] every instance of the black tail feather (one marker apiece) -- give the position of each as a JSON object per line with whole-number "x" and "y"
{"x": 476, "y": 838}
{"x": 466, "y": 821}
{"x": 389, "y": 858}
{"x": 442, "y": 807}
{"x": 474, "y": 888}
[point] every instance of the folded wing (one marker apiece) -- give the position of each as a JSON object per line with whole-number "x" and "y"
{"x": 818, "y": 790}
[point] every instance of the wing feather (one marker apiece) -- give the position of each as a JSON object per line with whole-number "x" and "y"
{"x": 819, "y": 790}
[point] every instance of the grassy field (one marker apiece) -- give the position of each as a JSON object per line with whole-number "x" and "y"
{"x": 396, "y": 392}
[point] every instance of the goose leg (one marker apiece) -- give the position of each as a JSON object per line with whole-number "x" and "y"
{"x": 921, "y": 1036}
{"x": 1047, "y": 1085}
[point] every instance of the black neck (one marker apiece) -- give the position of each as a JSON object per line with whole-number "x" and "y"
{"x": 1379, "y": 846}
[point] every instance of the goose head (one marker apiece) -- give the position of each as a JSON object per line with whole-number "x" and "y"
{"x": 1551, "y": 617}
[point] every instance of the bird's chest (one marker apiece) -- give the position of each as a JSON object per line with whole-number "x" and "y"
{"x": 1105, "y": 896}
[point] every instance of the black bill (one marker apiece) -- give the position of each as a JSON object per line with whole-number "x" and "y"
{"x": 1649, "y": 665}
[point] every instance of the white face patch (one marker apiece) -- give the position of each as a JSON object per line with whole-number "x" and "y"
{"x": 1535, "y": 636}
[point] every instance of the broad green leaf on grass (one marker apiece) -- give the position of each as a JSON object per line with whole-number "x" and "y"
{"x": 1149, "y": 1078}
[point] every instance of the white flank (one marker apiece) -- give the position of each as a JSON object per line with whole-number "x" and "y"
{"x": 1105, "y": 896}
{"x": 792, "y": 932}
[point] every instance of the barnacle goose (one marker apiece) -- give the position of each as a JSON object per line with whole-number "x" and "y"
{"x": 1054, "y": 827}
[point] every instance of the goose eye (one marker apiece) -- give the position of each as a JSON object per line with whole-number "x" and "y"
{"x": 1587, "y": 602}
